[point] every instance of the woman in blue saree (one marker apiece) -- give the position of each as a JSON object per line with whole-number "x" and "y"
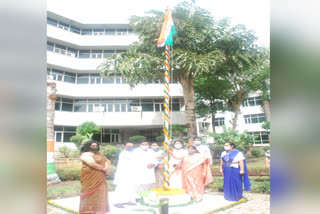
{"x": 234, "y": 170}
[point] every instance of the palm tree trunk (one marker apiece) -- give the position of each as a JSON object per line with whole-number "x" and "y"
{"x": 213, "y": 118}
{"x": 266, "y": 109}
{"x": 52, "y": 176}
{"x": 188, "y": 94}
{"x": 235, "y": 117}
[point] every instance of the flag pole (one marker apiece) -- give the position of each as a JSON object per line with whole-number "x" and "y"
{"x": 166, "y": 117}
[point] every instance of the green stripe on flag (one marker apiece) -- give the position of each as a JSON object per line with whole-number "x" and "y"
{"x": 51, "y": 169}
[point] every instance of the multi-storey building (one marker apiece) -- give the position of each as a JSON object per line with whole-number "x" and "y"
{"x": 75, "y": 50}
{"x": 250, "y": 119}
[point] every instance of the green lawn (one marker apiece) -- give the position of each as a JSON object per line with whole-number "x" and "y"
{"x": 251, "y": 162}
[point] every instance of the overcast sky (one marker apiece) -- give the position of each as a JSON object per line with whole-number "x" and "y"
{"x": 255, "y": 14}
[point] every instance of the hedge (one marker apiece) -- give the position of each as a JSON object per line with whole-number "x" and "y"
{"x": 72, "y": 174}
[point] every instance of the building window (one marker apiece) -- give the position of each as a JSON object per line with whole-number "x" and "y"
{"x": 252, "y": 101}
{"x": 95, "y": 79}
{"x": 57, "y": 75}
{"x": 57, "y": 105}
{"x": 122, "y": 32}
{"x": 50, "y": 46}
{"x": 107, "y": 53}
{"x": 60, "y": 49}
{"x": 84, "y": 54}
{"x": 96, "y": 53}
{"x": 106, "y": 80}
{"x": 52, "y": 22}
{"x": 80, "y": 106}
{"x": 219, "y": 121}
{"x": 63, "y": 134}
{"x": 74, "y": 29}
{"x": 260, "y": 137}
{"x": 110, "y": 135}
{"x": 72, "y": 52}
{"x": 82, "y": 78}
{"x": 86, "y": 32}
{"x": 69, "y": 77}
{"x": 254, "y": 118}
{"x": 66, "y": 104}
{"x": 97, "y": 32}
{"x": 110, "y": 32}
{"x": 63, "y": 26}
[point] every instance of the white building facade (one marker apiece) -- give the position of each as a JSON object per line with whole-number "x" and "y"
{"x": 75, "y": 50}
{"x": 250, "y": 119}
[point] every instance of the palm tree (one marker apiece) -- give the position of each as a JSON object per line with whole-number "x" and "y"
{"x": 194, "y": 52}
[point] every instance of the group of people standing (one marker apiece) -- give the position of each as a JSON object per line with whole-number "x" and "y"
{"x": 141, "y": 168}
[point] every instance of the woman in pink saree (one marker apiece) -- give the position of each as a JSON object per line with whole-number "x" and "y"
{"x": 196, "y": 173}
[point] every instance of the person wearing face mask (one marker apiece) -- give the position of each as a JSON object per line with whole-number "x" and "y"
{"x": 203, "y": 149}
{"x": 125, "y": 192}
{"x": 145, "y": 162}
{"x": 94, "y": 187}
{"x": 158, "y": 170}
{"x": 196, "y": 173}
{"x": 175, "y": 168}
{"x": 234, "y": 170}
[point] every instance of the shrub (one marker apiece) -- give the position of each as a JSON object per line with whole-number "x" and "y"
{"x": 160, "y": 139}
{"x": 216, "y": 185}
{"x": 77, "y": 139}
{"x": 260, "y": 187}
{"x": 112, "y": 171}
{"x": 258, "y": 171}
{"x": 216, "y": 149}
{"x": 69, "y": 174}
{"x": 266, "y": 148}
{"x": 137, "y": 139}
{"x": 66, "y": 151}
{"x": 255, "y": 152}
{"x": 112, "y": 153}
{"x": 75, "y": 154}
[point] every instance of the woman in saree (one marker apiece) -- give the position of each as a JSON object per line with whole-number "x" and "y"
{"x": 196, "y": 173}
{"x": 234, "y": 170}
{"x": 175, "y": 164}
{"x": 94, "y": 187}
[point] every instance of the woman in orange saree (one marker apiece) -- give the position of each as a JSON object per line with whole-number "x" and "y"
{"x": 196, "y": 173}
{"x": 94, "y": 187}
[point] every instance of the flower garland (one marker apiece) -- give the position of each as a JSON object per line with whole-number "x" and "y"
{"x": 63, "y": 208}
{"x": 243, "y": 200}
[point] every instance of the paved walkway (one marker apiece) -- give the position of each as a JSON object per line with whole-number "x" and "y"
{"x": 257, "y": 204}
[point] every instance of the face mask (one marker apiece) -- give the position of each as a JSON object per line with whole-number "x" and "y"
{"x": 154, "y": 147}
{"x": 227, "y": 148}
{"x": 197, "y": 142}
{"x": 129, "y": 149}
{"x": 191, "y": 152}
{"x": 94, "y": 148}
{"x": 144, "y": 147}
{"x": 178, "y": 146}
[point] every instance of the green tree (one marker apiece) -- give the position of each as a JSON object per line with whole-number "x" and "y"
{"x": 178, "y": 131}
{"x": 137, "y": 139}
{"x": 242, "y": 67}
{"x": 160, "y": 139}
{"x": 77, "y": 139}
{"x": 211, "y": 94}
{"x": 88, "y": 129}
{"x": 195, "y": 52}
{"x": 242, "y": 140}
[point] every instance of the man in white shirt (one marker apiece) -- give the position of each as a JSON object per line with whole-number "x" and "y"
{"x": 125, "y": 192}
{"x": 145, "y": 162}
{"x": 203, "y": 149}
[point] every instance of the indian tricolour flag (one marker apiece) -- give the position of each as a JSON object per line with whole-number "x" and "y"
{"x": 167, "y": 31}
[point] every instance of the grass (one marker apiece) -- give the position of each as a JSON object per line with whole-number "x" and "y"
{"x": 69, "y": 189}
{"x": 63, "y": 189}
{"x": 251, "y": 162}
